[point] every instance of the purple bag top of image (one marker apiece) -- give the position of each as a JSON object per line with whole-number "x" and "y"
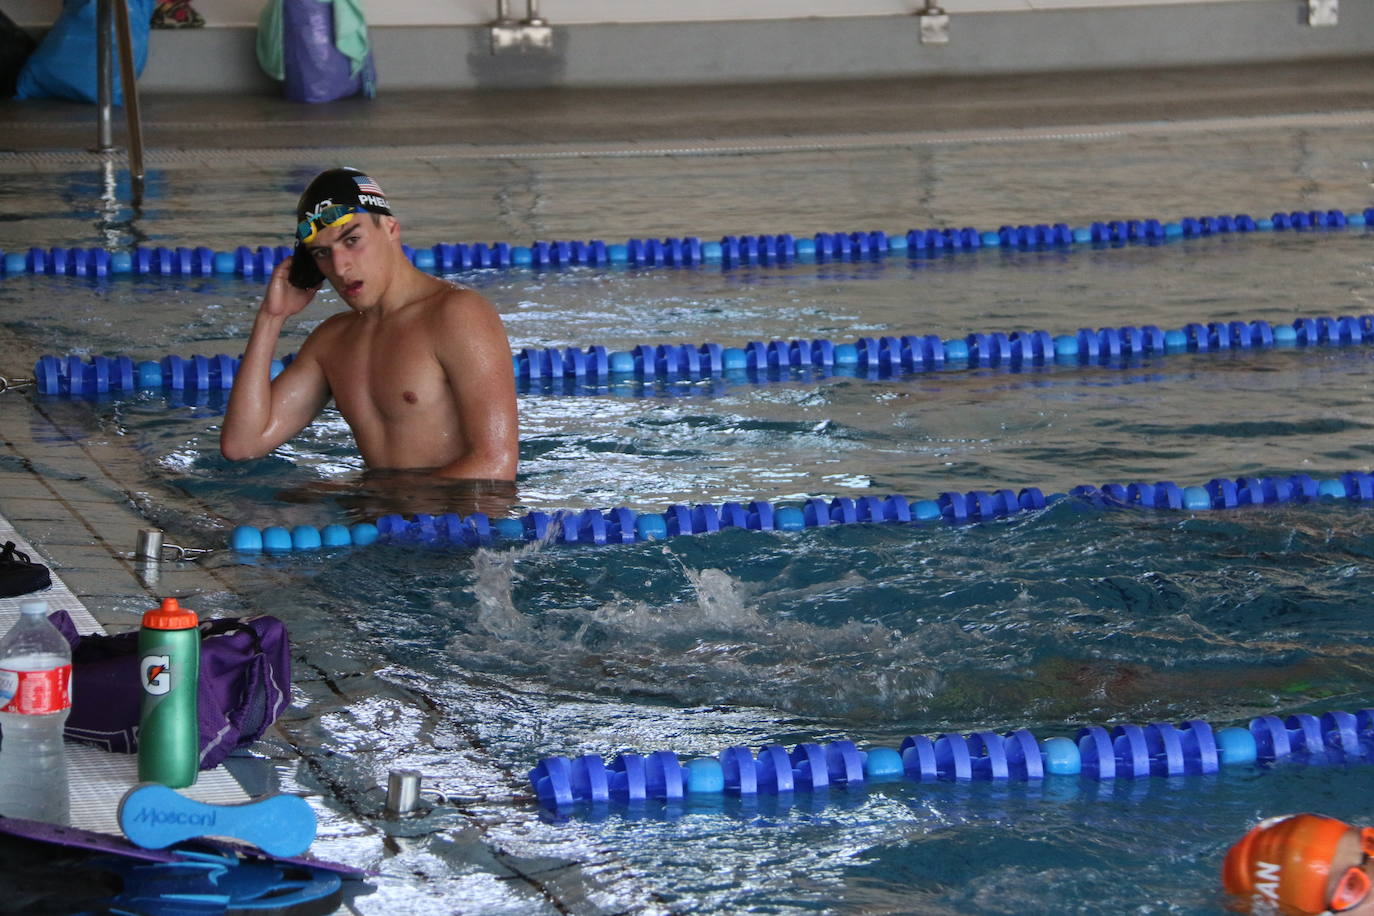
{"x": 245, "y": 683}
{"x": 316, "y": 70}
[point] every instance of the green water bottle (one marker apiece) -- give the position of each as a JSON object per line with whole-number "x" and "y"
{"x": 169, "y": 669}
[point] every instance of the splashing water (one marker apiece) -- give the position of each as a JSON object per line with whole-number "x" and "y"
{"x": 713, "y": 648}
{"x": 494, "y": 582}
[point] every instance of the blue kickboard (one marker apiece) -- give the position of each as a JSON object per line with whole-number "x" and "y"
{"x": 155, "y": 817}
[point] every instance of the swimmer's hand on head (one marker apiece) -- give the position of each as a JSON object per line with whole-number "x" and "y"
{"x": 284, "y": 297}
{"x": 256, "y": 421}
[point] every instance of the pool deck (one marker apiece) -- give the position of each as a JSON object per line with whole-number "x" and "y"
{"x": 79, "y": 495}
{"x": 687, "y": 119}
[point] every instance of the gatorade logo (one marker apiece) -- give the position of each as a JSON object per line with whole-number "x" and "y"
{"x": 148, "y": 815}
{"x": 157, "y": 674}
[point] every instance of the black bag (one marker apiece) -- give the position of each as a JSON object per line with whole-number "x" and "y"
{"x": 18, "y": 574}
{"x": 15, "y": 47}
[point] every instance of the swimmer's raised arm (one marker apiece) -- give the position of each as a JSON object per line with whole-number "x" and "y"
{"x": 471, "y": 345}
{"x": 264, "y": 412}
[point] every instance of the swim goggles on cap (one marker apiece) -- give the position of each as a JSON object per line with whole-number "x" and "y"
{"x": 326, "y": 218}
{"x": 1354, "y": 885}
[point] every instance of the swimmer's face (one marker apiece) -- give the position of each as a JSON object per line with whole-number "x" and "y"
{"x": 1350, "y": 854}
{"x": 358, "y": 257}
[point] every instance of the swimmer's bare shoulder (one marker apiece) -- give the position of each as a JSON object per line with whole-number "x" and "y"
{"x": 459, "y": 312}
{"x": 470, "y": 344}
{"x": 455, "y": 295}
{"x": 326, "y": 336}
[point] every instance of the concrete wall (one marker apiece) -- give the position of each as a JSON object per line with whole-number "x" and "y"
{"x": 1146, "y": 33}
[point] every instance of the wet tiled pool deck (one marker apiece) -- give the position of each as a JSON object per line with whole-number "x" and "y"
{"x": 67, "y": 493}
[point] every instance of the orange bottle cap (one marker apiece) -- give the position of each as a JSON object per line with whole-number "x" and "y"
{"x": 170, "y": 616}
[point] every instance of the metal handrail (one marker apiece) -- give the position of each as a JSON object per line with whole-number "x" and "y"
{"x": 128, "y": 77}
{"x": 104, "y": 77}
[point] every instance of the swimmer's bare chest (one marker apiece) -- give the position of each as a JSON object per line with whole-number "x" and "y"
{"x": 390, "y": 387}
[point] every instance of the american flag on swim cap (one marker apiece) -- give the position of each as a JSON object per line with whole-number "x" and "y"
{"x": 367, "y": 185}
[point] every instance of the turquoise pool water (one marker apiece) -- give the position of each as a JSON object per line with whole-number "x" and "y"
{"x": 1048, "y": 621}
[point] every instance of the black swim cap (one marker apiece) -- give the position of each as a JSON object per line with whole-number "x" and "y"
{"x": 330, "y": 200}
{"x": 341, "y": 187}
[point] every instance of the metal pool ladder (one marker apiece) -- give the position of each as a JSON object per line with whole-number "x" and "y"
{"x": 113, "y": 16}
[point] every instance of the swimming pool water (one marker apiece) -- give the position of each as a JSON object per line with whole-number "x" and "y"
{"x": 1048, "y": 620}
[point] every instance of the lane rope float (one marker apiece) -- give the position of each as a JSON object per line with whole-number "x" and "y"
{"x": 624, "y": 526}
{"x": 687, "y": 251}
{"x": 866, "y": 357}
{"x": 1121, "y": 751}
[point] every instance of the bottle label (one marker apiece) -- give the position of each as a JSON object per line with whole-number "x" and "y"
{"x": 36, "y": 693}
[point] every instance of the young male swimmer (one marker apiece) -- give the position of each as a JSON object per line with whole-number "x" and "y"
{"x": 419, "y": 368}
{"x": 1302, "y": 864}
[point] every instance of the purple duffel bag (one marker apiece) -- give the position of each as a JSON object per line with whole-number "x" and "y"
{"x": 315, "y": 70}
{"x": 245, "y": 683}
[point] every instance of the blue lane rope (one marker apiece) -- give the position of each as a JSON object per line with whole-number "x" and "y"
{"x": 1101, "y": 753}
{"x": 871, "y": 357}
{"x": 624, "y": 526}
{"x": 689, "y": 251}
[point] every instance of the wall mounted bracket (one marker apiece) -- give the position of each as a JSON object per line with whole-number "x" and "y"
{"x": 934, "y": 25}
{"x": 508, "y": 34}
{"x": 1322, "y": 12}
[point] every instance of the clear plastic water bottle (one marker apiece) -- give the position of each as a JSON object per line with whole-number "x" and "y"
{"x": 35, "y": 697}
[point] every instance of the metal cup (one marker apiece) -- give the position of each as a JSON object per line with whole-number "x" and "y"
{"x": 402, "y": 791}
{"x": 149, "y": 545}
